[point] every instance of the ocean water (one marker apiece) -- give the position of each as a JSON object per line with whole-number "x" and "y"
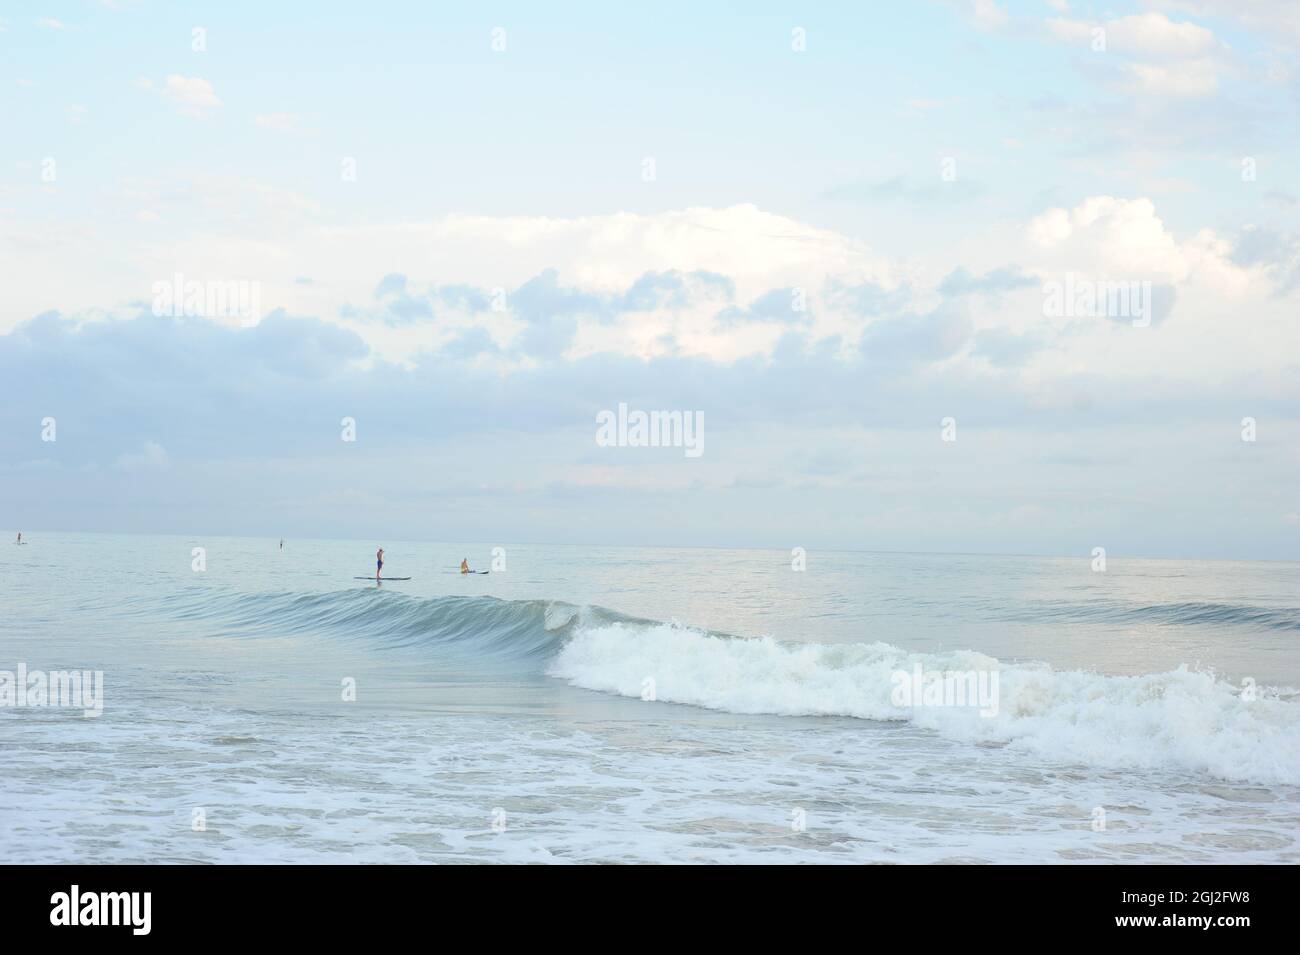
{"x": 644, "y": 705}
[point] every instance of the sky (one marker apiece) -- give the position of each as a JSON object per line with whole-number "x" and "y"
{"x": 985, "y": 277}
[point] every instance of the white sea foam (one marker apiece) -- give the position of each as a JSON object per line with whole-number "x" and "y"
{"x": 1181, "y": 720}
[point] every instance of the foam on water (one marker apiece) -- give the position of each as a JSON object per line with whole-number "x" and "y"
{"x": 224, "y": 691}
{"x": 1183, "y": 719}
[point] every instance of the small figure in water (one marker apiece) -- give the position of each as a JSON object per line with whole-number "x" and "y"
{"x": 281, "y": 543}
{"x": 20, "y": 537}
{"x": 464, "y": 566}
{"x": 379, "y": 563}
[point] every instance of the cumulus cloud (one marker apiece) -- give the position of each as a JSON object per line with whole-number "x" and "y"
{"x": 901, "y": 342}
{"x": 787, "y": 306}
{"x": 469, "y": 344}
{"x": 985, "y": 14}
{"x": 1154, "y": 55}
{"x": 824, "y": 332}
{"x": 1006, "y": 349}
{"x": 237, "y": 430}
{"x": 1145, "y": 34}
{"x": 1273, "y": 251}
{"x": 677, "y": 289}
{"x": 191, "y": 95}
{"x": 398, "y": 303}
{"x": 1104, "y": 233}
{"x": 726, "y": 286}
{"x": 1004, "y": 279}
{"x": 1275, "y": 21}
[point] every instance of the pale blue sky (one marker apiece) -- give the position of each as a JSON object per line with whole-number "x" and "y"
{"x": 128, "y": 156}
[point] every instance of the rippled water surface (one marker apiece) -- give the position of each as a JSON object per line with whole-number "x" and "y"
{"x": 621, "y": 704}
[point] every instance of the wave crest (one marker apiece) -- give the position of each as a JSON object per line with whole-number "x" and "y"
{"x": 1182, "y": 719}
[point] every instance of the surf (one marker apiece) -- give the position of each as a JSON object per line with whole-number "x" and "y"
{"x": 1183, "y": 720}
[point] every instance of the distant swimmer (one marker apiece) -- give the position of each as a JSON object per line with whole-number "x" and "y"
{"x": 379, "y": 563}
{"x": 20, "y": 537}
{"x": 464, "y": 566}
{"x": 281, "y": 543}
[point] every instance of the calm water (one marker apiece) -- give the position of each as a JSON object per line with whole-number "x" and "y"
{"x": 502, "y": 718}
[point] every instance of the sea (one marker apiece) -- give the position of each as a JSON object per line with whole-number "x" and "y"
{"x": 243, "y": 700}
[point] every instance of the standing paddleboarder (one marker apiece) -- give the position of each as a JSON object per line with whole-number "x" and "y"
{"x": 379, "y": 563}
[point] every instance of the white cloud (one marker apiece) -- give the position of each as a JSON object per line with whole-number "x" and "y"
{"x": 600, "y": 257}
{"x": 1276, "y": 21}
{"x": 757, "y": 249}
{"x": 1228, "y": 322}
{"x": 1145, "y": 34}
{"x": 1154, "y": 55}
{"x": 1155, "y": 35}
{"x": 49, "y": 23}
{"x": 1118, "y": 237}
{"x": 985, "y": 14}
{"x": 284, "y": 122}
{"x": 1191, "y": 78}
{"x": 150, "y": 457}
{"x": 192, "y": 95}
